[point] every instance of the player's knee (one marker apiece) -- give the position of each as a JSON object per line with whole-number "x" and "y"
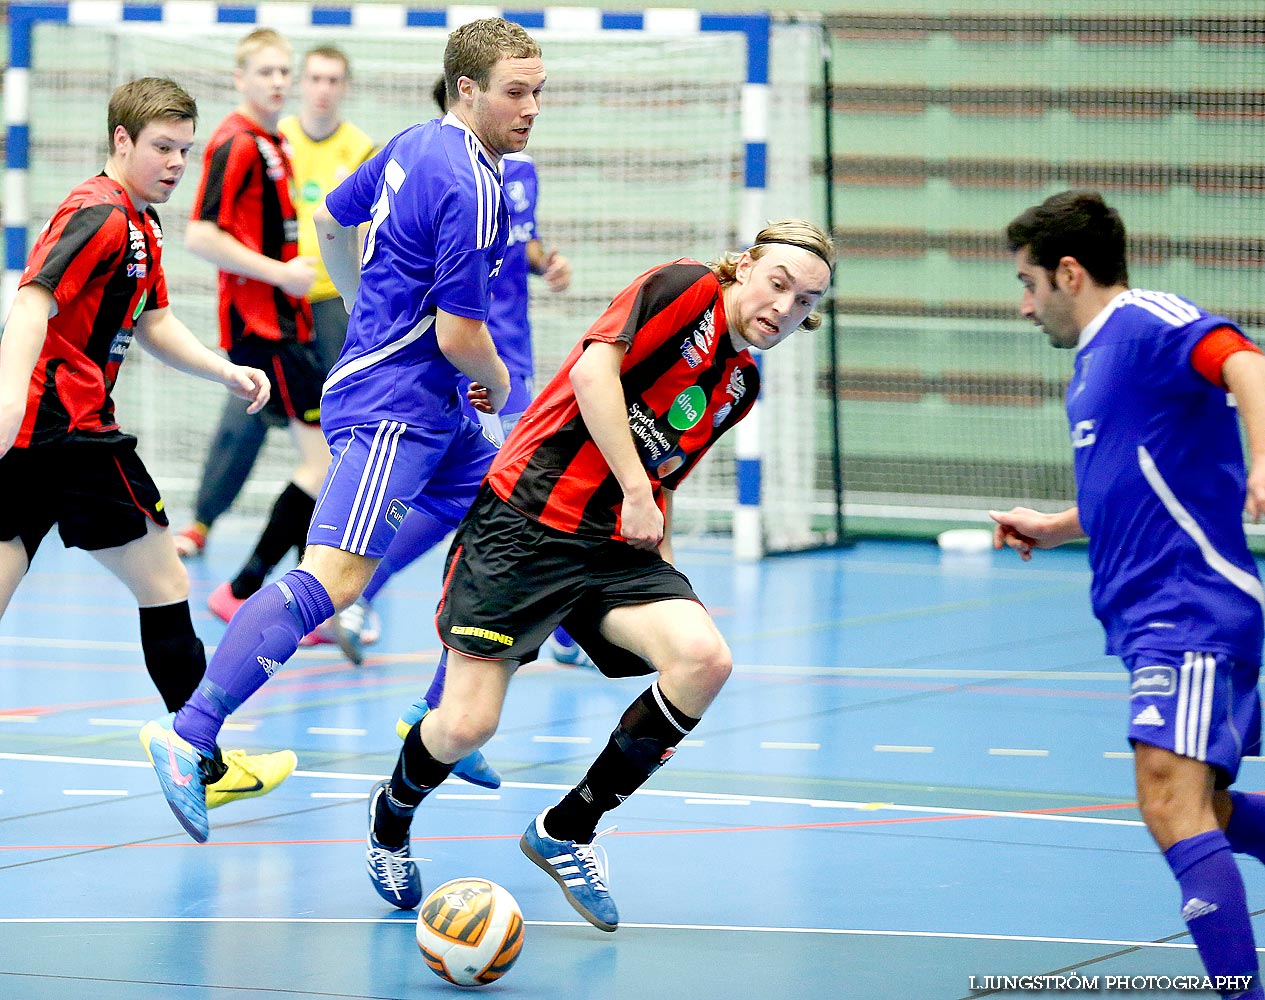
{"x": 464, "y": 732}
{"x": 704, "y": 662}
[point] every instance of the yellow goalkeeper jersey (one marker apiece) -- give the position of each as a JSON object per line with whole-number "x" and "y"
{"x": 319, "y": 167}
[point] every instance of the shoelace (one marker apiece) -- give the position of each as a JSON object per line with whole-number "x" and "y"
{"x": 596, "y": 864}
{"x": 391, "y": 867}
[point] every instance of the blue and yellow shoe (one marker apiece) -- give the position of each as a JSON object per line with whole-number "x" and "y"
{"x": 473, "y": 767}
{"x": 183, "y": 773}
{"x": 579, "y": 869}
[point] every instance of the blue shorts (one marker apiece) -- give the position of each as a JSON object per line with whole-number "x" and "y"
{"x": 377, "y": 471}
{"x": 1199, "y": 705}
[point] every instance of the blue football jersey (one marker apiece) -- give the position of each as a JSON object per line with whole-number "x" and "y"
{"x": 507, "y": 315}
{"x": 437, "y": 234}
{"x": 1161, "y": 484}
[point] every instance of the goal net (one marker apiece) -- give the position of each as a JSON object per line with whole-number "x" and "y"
{"x": 640, "y": 150}
{"x": 947, "y": 126}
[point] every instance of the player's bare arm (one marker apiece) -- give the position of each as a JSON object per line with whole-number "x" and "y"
{"x": 468, "y": 345}
{"x": 600, "y": 395}
{"x": 550, "y": 265}
{"x": 1024, "y": 529}
{"x": 167, "y": 338}
{"x": 227, "y": 253}
{"x": 1244, "y": 375}
{"x": 24, "y": 333}
{"x": 340, "y": 252}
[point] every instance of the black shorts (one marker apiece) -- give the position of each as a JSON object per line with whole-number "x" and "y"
{"x": 294, "y": 371}
{"x": 510, "y": 581}
{"x": 98, "y": 493}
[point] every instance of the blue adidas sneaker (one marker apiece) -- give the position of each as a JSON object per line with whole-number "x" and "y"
{"x": 183, "y": 774}
{"x": 580, "y": 869}
{"x": 394, "y": 874}
{"x": 473, "y": 767}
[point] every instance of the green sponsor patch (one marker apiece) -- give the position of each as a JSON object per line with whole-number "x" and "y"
{"x": 687, "y": 408}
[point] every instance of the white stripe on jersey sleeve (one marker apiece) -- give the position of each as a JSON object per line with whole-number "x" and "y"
{"x": 1163, "y": 305}
{"x": 487, "y": 188}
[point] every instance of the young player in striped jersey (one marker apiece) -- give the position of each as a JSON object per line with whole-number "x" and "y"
{"x": 244, "y": 222}
{"x": 418, "y": 295}
{"x": 1161, "y": 488}
{"x": 324, "y": 149}
{"x": 573, "y": 525}
{"x": 93, "y": 282}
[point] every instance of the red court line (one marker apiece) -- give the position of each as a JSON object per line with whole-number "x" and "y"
{"x": 74, "y": 706}
{"x": 762, "y": 828}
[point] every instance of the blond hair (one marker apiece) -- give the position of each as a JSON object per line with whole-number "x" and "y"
{"x": 256, "y": 42}
{"x": 138, "y": 102}
{"x": 474, "y": 48}
{"x": 786, "y": 232}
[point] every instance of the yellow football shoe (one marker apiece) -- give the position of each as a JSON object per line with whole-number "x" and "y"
{"x": 249, "y": 775}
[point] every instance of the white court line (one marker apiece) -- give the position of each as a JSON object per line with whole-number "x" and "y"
{"x": 340, "y": 795}
{"x": 19, "y": 718}
{"x": 775, "y": 745}
{"x": 467, "y": 797}
{"x": 716, "y": 928}
{"x": 1007, "y": 752}
{"x": 121, "y": 723}
{"x": 326, "y": 731}
{"x": 712, "y": 801}
{"x": 543, "y": 786}
{"x": 562, "y": 739}
{"x": 896, "y": 748}
{"x": 94, "y": 791}
{"x": 919, "y": 673}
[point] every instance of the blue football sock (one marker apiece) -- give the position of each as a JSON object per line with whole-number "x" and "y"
{"x": 436, "y": 689}
{"x": 1246, "y": 829}
{"x": 1214, "y": 905}
{"x": 417, "y": 535}
{"x": 263, "y": 634}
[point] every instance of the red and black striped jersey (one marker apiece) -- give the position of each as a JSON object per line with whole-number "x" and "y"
{"x": 247, "y": 190}
{"x": 684, "y": 383}
{"x": 102, "y": 261}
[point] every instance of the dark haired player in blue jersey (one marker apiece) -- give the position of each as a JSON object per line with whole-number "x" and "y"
{"x": 1161, "y": 489}
{"x": 391, "y": 412}
{"x": 510, "y": 326}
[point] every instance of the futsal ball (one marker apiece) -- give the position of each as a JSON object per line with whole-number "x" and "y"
{"x": 470, "y": 931}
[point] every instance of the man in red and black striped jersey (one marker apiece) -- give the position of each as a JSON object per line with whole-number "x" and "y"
{"x": 244, "y": 222}
{"x": 94, "y": 281}
{"x": 572, "y": 526}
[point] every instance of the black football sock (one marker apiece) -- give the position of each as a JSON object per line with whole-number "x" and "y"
{"x": 644, "y": 740}
{"x": 286, "y": 529}
{"x": 416, "y": 775}
{"x": 173, "y": 654}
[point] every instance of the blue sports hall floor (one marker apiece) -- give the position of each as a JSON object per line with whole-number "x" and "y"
{"x": 916, "y": 776}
